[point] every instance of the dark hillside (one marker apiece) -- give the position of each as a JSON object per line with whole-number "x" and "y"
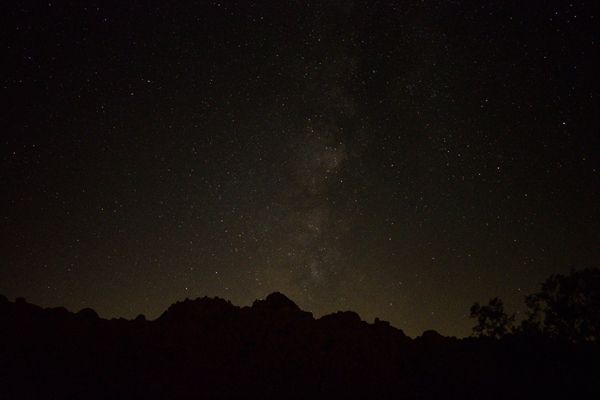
{"x": 210, "y": 348}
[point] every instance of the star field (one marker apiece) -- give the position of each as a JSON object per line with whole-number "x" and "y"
{"x": 400, "y": 159}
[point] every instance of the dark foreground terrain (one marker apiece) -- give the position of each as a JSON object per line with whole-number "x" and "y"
{"x": 209, "y": 348}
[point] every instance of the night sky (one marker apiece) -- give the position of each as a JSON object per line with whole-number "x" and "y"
{"x": 399, "y": 159}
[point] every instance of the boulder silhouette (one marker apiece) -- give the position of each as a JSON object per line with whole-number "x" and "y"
{"x": 342, "y": 320}
{"x": 431, "y": 336}
{"x": 88, "y": 314}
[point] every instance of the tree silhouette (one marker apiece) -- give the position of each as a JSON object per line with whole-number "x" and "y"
{"x": 492, "y": 321}
{"x": 567, "y": 307}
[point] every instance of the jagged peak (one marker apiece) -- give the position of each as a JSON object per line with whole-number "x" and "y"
{"x": 199, "y": 307}
{"x": 276, "y": 301}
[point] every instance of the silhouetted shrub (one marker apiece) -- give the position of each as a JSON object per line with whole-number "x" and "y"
{"x": 140, "y": 318}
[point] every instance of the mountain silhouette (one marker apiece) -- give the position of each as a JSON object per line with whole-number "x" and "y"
{"x": 211, "y": 349}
